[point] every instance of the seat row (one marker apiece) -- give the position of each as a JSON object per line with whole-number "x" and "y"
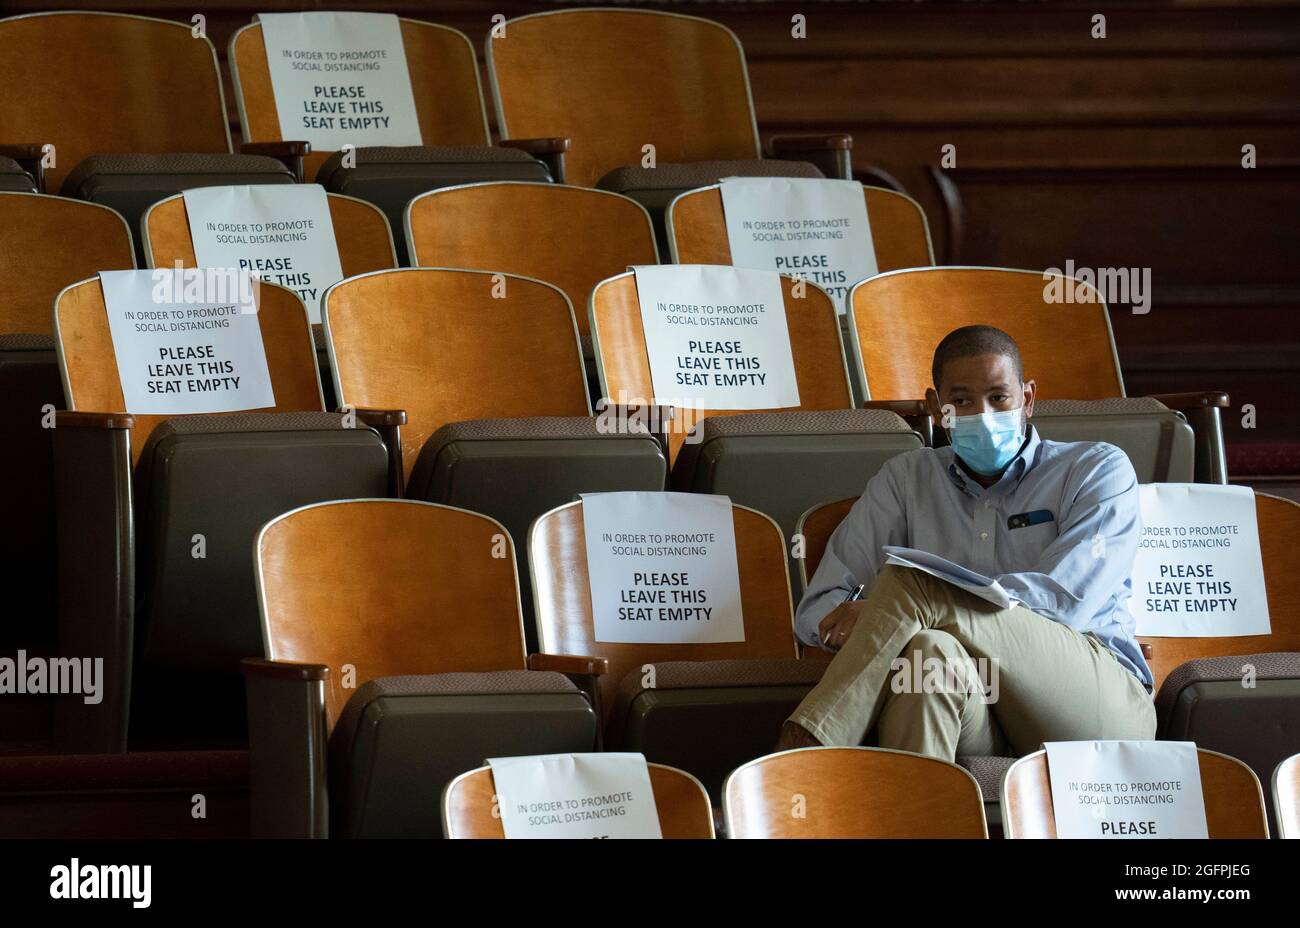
{"x": 639, "y": 102}
{"x": 461, "y": 228}
{"x": 395, "y": 656}
{"x": 875, "y": 793}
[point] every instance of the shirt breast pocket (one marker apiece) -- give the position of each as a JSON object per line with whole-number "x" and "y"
{"x": 1029, "y": 541}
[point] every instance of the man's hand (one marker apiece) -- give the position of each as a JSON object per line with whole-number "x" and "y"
{"x": 838, "y": 624}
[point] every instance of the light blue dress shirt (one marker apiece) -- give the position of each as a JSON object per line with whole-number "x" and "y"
{"x": 1074, "y": 569}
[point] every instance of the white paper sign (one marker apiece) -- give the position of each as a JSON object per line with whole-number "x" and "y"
{"x": 340, "y": 79}
{"x": 817, "y": 229}
{"x": 662, "y": 568}
{"x": 575, "y": 796}
{"x": 280, "y": 232}
{"x": 182, "y": 343}
{"x": 716, "y": 337}
{"x": 1198, "y": 570}
{"x": 1126, "y": 789}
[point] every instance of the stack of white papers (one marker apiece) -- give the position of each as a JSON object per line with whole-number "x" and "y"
{"x": 984, "y": 587}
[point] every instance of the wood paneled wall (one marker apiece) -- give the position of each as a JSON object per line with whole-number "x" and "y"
{"x": 1122, "y": 151}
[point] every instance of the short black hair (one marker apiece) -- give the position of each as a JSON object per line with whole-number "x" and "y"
{"x": 971, "y": 340}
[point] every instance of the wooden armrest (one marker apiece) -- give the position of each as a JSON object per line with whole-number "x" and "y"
{"x": 829, "y": 141}
{"x": 388, "y": 423}
{"x": 283, "y": 670}
{"x": 287, "y": 738}
{"x": 550, "y": 146}
{"x": 655, "y": 418}
{"x": 1194, "y": 400}
{"x": 380, "y": 418}
{"x": 828, "y": 152}
{"x": 569, "y": 664}
{"x": 289, "y": 152}
{"x": 549, "y": 151}
{"x": 913, "y": 411}
{"x": 902, "y": 407}
{"x": 584, "y": 672}
{"x": 1148, "y": 652}
{"x": 31, "y": 158}
{"x": 276, "y": 149}
{"x": 74, "y": 419}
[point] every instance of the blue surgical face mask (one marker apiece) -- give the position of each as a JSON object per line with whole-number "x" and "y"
{"x": 987, "y": 443}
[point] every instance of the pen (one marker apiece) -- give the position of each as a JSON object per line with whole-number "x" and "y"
{"x": 853, "y": 597}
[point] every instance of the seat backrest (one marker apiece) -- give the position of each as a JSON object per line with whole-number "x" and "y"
{"x": 899, "y": 318}
{"x": 1234, "y": 802}
{"x": 557, "y": 560}
{"x": 47, "y": 243}
{"x": 624, "y": 363}
{"x": 444, "y": 82}
{"x": 680, "y": 800}
{"x": 1286, "y": 797}
{"x": 613, "y": 81}
{"x": 1279, "y": 539}
{"x": 89, "y": 365}
{"x": 361, "y": 232}
{"x": 439, "y": 344}
{"x": 108, "y": 83}
{"x": 816, "y": 527}
{"x": 571, "y": 237}
{"x": 697, "y": 229}
{"x": 389, "y": 587}
{"x": 852, "y": 792}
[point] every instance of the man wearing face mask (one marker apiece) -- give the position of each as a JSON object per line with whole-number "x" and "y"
{"x": 1056, "y": 524}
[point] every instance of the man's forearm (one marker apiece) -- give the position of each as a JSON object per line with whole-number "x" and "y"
{"x": 809, "y": 616}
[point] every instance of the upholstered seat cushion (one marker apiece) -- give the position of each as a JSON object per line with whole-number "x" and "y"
{"x": 690, "y": 675}
{"x": 1111, "y": 406}
{"x": 400, "y": 740}
{"x": 221, "y": 167}
{"x": 532, "y": 429}
{"x": 231, "y": 424}
{"x": 1158, "y": 441}
{"x": 371, "y": 156}
{"x": 1270, "y": 665}
{"x": 14, "y": 178}
{"x": 131, "y": 183}
{"x": 708, "y": 717}
{"x": 775, "y": 424}
{"x": 681, "y": 675}
{"x": 224, "y": 477}
{"x": 22, "y": 342}
{"x": 989, "y": 772}
{"x": 501, "y": 682}
{"x": 689, "y": 175}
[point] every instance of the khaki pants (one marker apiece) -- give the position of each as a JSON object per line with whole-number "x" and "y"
{"x": 1052, "y": 683}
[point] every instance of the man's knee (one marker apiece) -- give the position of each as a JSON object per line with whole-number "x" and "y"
{"x": 935, "y": 642}
{"x": 933, "y": 661}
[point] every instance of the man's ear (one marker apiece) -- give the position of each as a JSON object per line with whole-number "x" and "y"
{"x": 933, "y": 408}
{"x": 1031, "y": 389}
